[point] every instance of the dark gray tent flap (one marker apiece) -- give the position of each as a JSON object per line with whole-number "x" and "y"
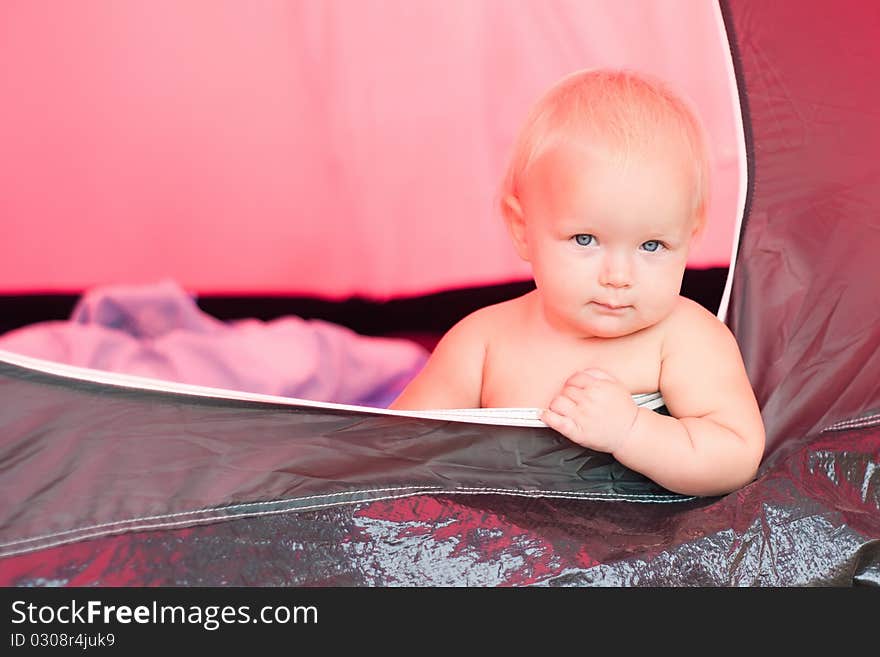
{"x": 186, "y": 490}
{"x": 113, "y": 486}
{"x": 86, "y": 459}
{"x": 806, "y": 287}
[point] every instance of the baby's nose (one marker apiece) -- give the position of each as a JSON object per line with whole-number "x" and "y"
{"x": 616, "y": 271}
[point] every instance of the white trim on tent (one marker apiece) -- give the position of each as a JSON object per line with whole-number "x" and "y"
{"x": 519, "y": 417}
{"x": 741, "y": 158}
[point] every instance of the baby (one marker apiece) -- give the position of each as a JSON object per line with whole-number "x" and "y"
{"x": 605, "y": 193}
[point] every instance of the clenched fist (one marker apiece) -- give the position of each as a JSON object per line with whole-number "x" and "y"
{"x": 593, "y": 409}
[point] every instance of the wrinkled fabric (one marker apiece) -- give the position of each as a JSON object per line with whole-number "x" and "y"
{"x": 80, "y": 459}
{"x": 805, "y": 306}
{"x": 107, "y": 485}
{"x": 158, "y": 331}
{"x": 811, "y": 519}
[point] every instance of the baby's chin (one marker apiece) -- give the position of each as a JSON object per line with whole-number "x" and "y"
{"x": 614, "y": 327}
{"x": 605, "y": 332}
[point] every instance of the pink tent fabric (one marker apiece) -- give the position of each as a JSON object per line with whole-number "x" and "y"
{"x": 318, "y": 147}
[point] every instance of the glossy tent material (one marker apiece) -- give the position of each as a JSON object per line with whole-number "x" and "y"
{"x": 107, "y": 485}
{"x": 84, "y": 459}
{"x": 805, "y": 306}
{"x": 238, "y": 493}
{"x": 808, "y": 326}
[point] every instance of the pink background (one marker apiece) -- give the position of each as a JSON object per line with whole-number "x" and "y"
{"x": 325, "y": 147}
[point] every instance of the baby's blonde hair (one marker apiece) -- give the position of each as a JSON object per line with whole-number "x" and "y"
{"x": 620, "y": 113}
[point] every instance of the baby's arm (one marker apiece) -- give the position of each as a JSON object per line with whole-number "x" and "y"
{"x": 453, "y": 375}
{"x": 716, "y": 443}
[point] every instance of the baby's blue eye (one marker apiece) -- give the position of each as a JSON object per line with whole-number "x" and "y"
{"x": 651, "y": 246}
{"x": 584, "y": 240}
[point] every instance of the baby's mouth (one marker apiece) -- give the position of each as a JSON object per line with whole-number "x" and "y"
{"x": 610, "y": 308}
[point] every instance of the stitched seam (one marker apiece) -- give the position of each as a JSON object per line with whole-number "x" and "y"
{"x": 855, "y": 423}
{"x": 233, "y": 507}
{"x": 847, "y": 423}
{"x": 214, "y": 509}
{"x": 125, "y": 525}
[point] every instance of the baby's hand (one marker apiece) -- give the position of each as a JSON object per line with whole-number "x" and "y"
{"x": 594, "y": 410}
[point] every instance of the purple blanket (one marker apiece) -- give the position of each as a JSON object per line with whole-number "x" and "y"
{"x": 158, "y": 331}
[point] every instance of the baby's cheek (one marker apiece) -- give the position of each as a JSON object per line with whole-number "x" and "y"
{"x": 656, "y": 304}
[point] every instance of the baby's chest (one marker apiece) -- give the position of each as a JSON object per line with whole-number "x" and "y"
{"x": 519, "y": 374}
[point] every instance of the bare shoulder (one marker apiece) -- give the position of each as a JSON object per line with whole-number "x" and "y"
{"x": 492, "y": 318}
{"x": 475, "y": 331}
{"x": 702, "y": 373}
{"x": 453, "y": 375}
{"x": 689, "y": 323}
{"x": 465, "y": 344}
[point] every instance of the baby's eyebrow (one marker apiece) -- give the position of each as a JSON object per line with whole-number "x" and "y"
{"x": 578, "y": 226}
{"x": 664, "y": 229}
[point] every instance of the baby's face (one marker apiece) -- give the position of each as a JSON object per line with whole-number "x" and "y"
{"x": 608, "y": 243}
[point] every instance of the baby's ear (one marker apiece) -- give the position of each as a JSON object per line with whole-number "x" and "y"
{"x": 516, "y": 224}
{"x": 698, "y": 229}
